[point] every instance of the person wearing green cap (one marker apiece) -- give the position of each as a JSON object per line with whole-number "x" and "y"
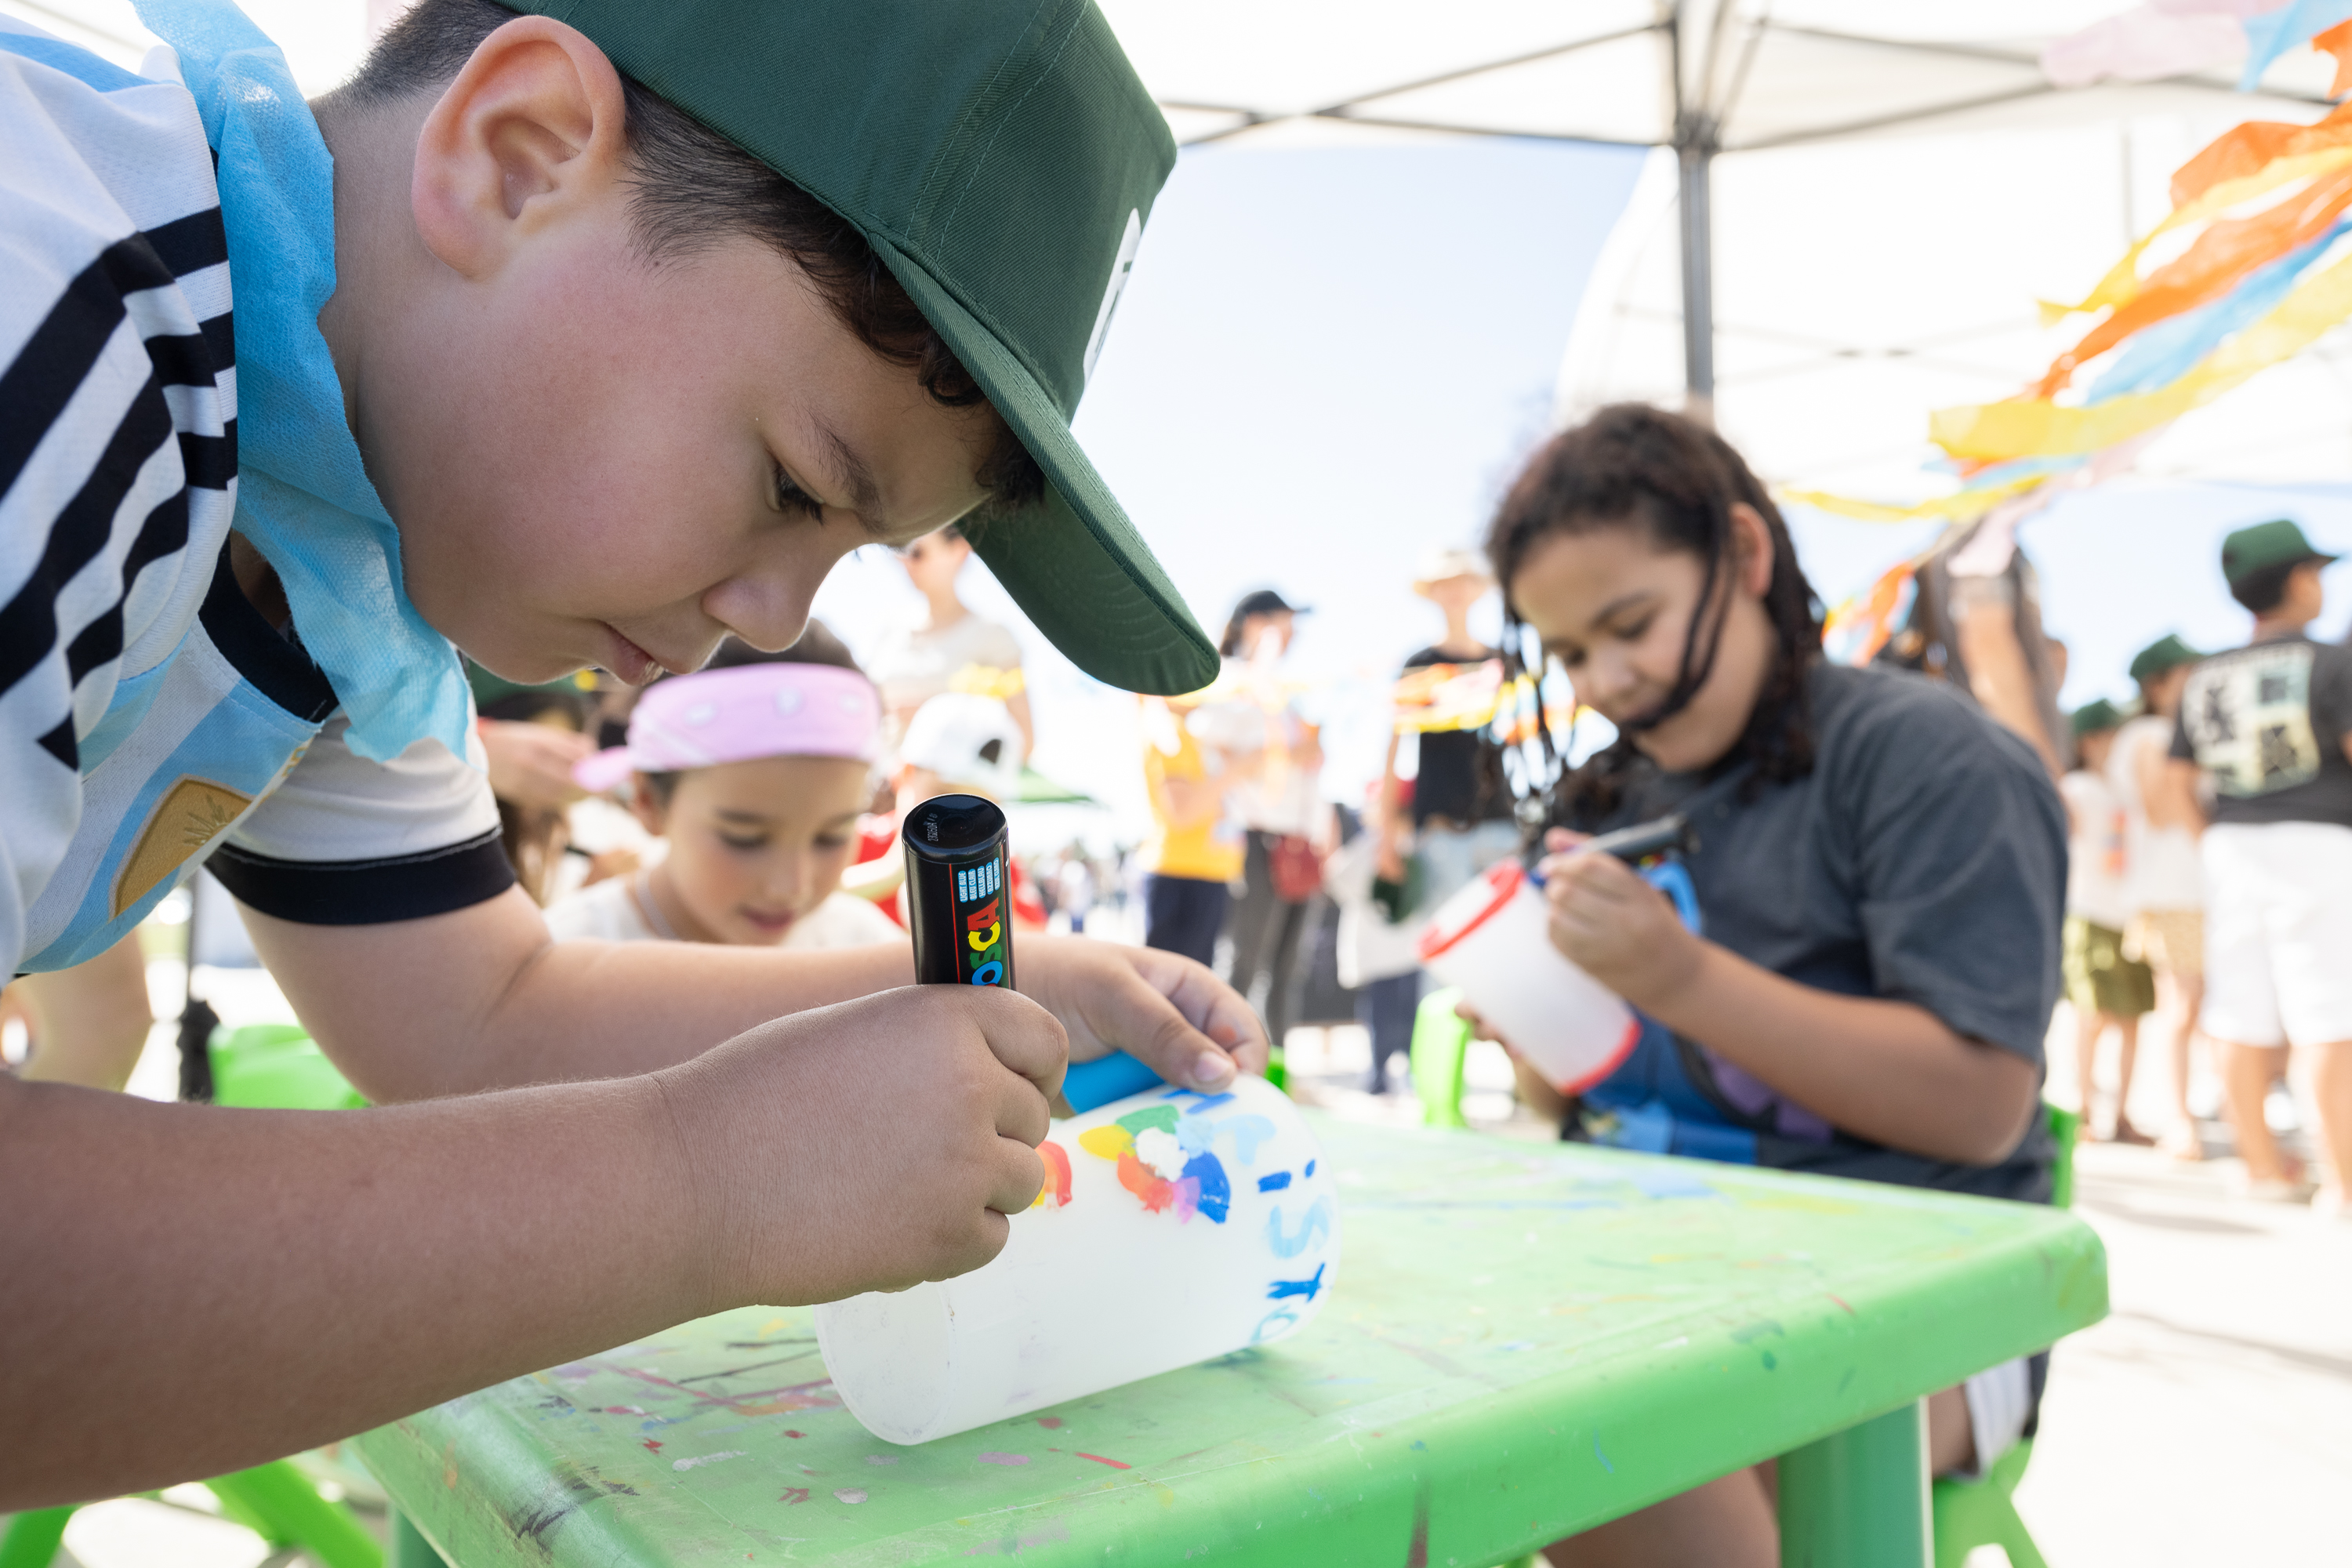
{"x": 2270, "y": 727}
{"x": 575, "y": 333}
{"x": 2161, "y": 821}
{"x": 2107, "y": 990}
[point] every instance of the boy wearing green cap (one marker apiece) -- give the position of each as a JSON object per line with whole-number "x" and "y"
{"x": 2161, "y": 822}
{"x": 585, "y": 336}
{"x": 2106, "y": 989}
{"x": 2270, "y": 725}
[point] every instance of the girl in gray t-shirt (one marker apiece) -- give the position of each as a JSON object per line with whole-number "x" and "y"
{"x": 1880, "y": 873}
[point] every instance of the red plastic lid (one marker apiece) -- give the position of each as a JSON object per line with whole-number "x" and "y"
{"x": 1502, "y": 881}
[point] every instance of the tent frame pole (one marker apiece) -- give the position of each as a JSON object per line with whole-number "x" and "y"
{"x": 1696, "y": 159}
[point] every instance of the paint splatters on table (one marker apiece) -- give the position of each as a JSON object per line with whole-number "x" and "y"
{"x": 1051, "y": 1423}
{"x": 850, "y": 1495}
{"x": 1098, "y": 1458}
{"x": 993, "y": 1457}
{"x": 699, "y": 1461}
{"x": 881, "y": 1458}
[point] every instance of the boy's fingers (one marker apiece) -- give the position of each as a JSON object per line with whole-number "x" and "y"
{"x": 1021, "y": 1110}
{"x": 1020, "y": 1177}
{"x": 1024, "y": 1037}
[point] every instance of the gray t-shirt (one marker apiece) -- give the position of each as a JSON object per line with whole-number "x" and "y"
{"x": 1922, "y": 861}
{"x": 2267, "y": 722}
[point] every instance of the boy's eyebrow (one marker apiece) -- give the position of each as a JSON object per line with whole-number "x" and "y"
{"x": 754, "y": 818}
{"x": 854, "y": 474}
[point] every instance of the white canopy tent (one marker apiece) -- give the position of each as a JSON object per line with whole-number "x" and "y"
{"x": 1850, "y": 214}
{"x": 1851, "y": 211}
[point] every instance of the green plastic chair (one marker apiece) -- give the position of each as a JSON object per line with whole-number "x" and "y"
{"x": 1441, "y": 1040}
{"x": 1969, "y": 1514}
{"x": 275, "y": 1500}
{"x": 277, "y": 1066}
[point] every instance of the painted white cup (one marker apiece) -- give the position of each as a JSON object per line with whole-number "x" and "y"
{"x": 1493, "y": 941}
{"x": 1173, "y": 1227}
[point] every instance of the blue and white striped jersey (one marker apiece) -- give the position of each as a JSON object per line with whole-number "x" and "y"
{"x": 150, "y": 716}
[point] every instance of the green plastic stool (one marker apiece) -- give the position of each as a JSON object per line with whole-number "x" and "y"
{"x": 277, "y": 1066}
{"x": 1441, "y": 1040}
{"x": 275, "y": 1500}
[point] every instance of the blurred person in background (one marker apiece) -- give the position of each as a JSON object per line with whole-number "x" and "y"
{"x": 752, "y": 771}
{"x": 961, "y": 743}
{"x": 1195, "y": 849}
{"x": 2107, "y": 989}
{"x": 533, "y": 736}
{"x": 1456, "y": 815}
{"x": 1286, "y": 824}
{"x": 2269, "y": 726}
{"x": 2161, "y": 822}
{"x": 86, "y": 1024}
{"x": 951, "y": 649}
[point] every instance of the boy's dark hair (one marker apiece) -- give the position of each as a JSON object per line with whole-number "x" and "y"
{"x": 817, "y": 645}
{"x": 1634, "y": 466}
{"x": 2264, "y": 589}
{"x": 692, "y": 189}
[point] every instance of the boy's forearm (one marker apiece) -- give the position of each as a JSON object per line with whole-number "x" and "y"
{"x": 480, "y": 999}
{"x": 1886, "y": 1071}
{"x": 194, "y": 1289}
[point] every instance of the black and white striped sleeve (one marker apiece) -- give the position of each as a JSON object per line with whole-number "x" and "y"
{"x": 117, "y": 419}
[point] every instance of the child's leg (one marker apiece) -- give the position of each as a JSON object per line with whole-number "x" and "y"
{"x": 2247, "y": 1074}
{"x": 2189, "y": 998}
{"x": 2331, "y": 1085}
{"x": 2089, "y": 1024}
{"x": 2127, "y": 1055}
{"x": 1729, "y": 1522}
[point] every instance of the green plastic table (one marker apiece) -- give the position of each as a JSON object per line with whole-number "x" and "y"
{"x": 1524, "y": 1340}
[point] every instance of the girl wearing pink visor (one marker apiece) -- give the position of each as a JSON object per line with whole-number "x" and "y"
{"x": 754, "y": 770}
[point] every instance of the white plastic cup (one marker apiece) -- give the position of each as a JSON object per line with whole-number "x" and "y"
{"x": 1493, "y": 941}
{"x": 1172, "y": 1228}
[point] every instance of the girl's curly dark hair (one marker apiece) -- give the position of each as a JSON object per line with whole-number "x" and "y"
{"x": 1634, "y": 466}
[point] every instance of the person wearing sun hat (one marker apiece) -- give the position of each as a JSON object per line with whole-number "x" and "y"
{"x": 1454, "y": 818}
{"x": 2270, "y": 727}
{"x": 2161, "y": 821}
{"x": 570, "y": 333}
{"x": 2107, "y": 989}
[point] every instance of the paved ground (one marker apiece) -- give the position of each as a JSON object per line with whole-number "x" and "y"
{"x": 2204, "y": 1424}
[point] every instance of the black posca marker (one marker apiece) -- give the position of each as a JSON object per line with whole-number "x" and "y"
{"x": 959, "y": 902}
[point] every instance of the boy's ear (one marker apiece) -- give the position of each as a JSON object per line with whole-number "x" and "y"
{"x": 528, "y": 134}
{"x": 1751, "y": 547}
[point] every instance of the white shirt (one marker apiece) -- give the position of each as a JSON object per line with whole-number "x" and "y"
{"x": 915, "y": 664}
{"x": 611, "y": 911}
{"x": 2097, "y": 871}
{"x": 2163, "y": 861}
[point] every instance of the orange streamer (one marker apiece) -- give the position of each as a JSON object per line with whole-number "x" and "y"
{"x": 2247, "y": 148}
{"x": 2209, "y": 268}
{"x": 2337, "y": 41}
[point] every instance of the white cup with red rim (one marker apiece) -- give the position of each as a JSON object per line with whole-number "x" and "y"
{"x": 1492, "y": 940}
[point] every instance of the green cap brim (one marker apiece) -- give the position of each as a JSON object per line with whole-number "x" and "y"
{"x": 1072, "y": 560}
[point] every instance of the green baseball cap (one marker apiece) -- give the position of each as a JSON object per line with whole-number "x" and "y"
{"x": 2277, "y": 543}
{"x": 2166, "y": 652}
{"x": 2095, "y": 716}
{"x": 1001, "y": 157}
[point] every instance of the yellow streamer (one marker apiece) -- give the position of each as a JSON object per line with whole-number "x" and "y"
{"x": 1959, "y": 504}
{"x": 2033, "y": 428}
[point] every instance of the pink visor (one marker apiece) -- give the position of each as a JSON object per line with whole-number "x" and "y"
{"x": 735, "y": 715}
